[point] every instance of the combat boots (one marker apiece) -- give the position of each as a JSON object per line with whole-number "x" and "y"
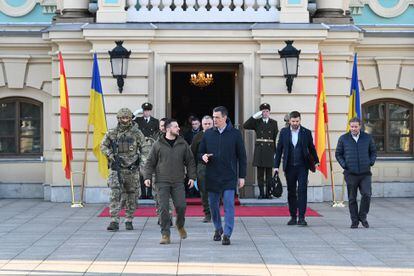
{"x": 182, "y": 232}
{"x": 113, "y": 226}
{"x": 128, "y": 225}
{"x": 165, "y": 239}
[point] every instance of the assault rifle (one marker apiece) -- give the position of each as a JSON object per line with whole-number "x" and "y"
{"x": 116, "y": 163}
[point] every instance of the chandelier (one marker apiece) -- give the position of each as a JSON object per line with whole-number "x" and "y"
{"x": 201, "y": 79}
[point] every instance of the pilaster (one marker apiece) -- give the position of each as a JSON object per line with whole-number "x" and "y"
{"x": 294, "y": 11}
{"x": 111, "y": 11}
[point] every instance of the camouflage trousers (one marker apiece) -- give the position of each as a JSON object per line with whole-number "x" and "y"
{"x": 124, "y": 195}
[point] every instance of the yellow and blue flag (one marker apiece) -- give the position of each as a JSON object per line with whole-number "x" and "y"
{"x": 97, "y": 118}
{"x": 354, "y": 109}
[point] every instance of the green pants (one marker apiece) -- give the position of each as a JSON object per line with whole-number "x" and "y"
{"x": 175, "y": 191}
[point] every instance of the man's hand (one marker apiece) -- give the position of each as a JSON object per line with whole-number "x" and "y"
{"x": 147, "y": 182}
{"x": 275, "y": 170}
{"x": 257, "y": 115}
{"x": 241, "y": 183}
{"x": 206, "y": 157}
{"x": 191, "y": 183}
{"x": 111, "y": 158}
{"x": 317, "y": 165}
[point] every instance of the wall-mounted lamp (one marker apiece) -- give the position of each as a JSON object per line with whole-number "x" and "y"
{"x": 290, "y": 62}
{"x": 119, "y": 63}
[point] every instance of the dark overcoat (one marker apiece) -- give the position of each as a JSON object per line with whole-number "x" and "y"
{"x": 264, "y": 151}
{"x": 149, "y": 129}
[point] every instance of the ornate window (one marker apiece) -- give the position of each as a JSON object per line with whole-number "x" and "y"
{"x": 390, "y": 122}
{"x": 21, "y": 127}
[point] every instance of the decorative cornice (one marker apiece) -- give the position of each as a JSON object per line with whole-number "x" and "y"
{"x": 49, "y": 6}
{"x": 356, "y": 7}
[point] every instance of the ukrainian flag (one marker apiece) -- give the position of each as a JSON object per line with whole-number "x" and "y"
{"x": 354, "y": 109}
{"x": 97, "y": 118}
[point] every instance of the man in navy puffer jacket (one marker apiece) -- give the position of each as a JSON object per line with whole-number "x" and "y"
{"x": 356, "y": 153}
{"x": 222, "y": 149}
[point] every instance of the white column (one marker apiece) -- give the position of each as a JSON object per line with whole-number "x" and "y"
{"x": 294, "y": 11}
{"x": 73, "y": 11}
{"x": 111, "y": 11}
{"x": 331, "y": 12}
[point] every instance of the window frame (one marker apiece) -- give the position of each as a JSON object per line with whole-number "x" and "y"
{"x": 387, "y": 120}
{"x": 17, "y": 137}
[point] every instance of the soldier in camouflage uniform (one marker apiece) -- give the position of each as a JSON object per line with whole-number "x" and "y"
{"x": 123, "y": 146}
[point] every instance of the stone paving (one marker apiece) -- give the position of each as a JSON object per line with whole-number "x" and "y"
{"x": 44, "y": 238}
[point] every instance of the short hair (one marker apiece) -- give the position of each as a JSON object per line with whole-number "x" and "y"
{"x": 168, "y": 122}
{"x": 355, "y": 120}
{"x": 163, "y": 119}
{"x": 195, "y": 119}
{"x": 207, "y": 117}
{"x": 223, "y": 110}
{"x": 294, "y": 114}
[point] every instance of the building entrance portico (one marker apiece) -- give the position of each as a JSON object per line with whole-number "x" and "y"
{"x": 185, "y": 99}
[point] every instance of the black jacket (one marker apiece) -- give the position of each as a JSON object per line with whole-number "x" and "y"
{"x": 356, "y": 157}
{"x": 149, "y": 129}
{"x": 228, "y": 162}
{"x": 306, "y": 140}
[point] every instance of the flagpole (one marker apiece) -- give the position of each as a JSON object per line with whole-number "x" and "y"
{"x": 330, "y": 165}
{"x": 85, "y": 159}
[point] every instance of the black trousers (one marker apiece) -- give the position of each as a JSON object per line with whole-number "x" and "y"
{"x": 363, "y": 183}
{"x": 297, "y": 186}
{"x": 263, "y": 172}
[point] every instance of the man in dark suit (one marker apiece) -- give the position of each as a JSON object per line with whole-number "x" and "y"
{"x": 299, "y": 156}
{"x": 266, "y": 132}
{"x": 149, "y": 127}
{"x": 356, "y": 153}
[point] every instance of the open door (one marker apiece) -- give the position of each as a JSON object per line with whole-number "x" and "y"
{"x": 168, "y": 105}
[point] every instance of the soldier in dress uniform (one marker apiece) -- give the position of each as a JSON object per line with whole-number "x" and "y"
{"x": 149, "y": 127}
{"x": 123, "y": 147}
{"x": 266, "y": 131}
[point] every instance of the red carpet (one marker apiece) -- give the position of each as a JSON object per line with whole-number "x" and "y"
{"x": 241, "y": 211}
{"x": 197, "y": 201}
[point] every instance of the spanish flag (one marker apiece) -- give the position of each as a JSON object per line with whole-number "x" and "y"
{"x": 65, "y": 129}
{"x": 321, "y": 119}
{"x": 97, "y": 118}
{"x": 354, "y": 109}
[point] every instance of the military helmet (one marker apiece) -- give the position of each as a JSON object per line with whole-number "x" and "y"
{"x": 124, "y": 112}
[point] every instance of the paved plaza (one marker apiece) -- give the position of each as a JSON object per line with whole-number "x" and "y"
{"x": 44, "y": 238}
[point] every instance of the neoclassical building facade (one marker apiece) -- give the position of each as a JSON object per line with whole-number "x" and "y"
{"x": 235, "y": 40}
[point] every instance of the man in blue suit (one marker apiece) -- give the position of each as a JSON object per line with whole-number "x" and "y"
{"x": 299, "y": 156}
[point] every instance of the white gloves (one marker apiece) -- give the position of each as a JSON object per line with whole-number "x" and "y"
{"x": 257, "y": 115}
{"x": 138, "y": 111}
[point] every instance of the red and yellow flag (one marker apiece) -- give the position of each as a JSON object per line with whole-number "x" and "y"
{"x": 321, "y": 118}
{"x": 65, "y": 129}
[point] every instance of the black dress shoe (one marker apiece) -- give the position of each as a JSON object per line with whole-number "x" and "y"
{"x": 365, "y": 223}
{"x": 261, "y": 197}
{"x": 217, "y": 235}
{"x": 226, "y": 240}
{"x": 292, "y": 221}
{"x": 354, "y": 224}
{"x": 302, "y": 222}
